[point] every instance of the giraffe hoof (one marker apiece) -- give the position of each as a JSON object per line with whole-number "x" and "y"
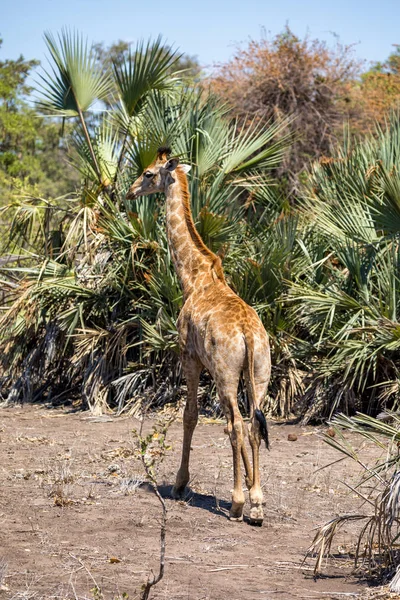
{"x": 236, "y": 512}
{"x": 235, "y": 518}
{"x": 256, "y": 522}
{"x": 256, "y": 516}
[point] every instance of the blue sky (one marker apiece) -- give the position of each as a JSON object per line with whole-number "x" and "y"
{"x": 209, "y": 29}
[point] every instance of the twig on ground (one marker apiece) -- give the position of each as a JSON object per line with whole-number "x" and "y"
{"x": 152, "y": 453}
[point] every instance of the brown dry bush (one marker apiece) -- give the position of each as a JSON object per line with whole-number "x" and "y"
{"x": 289, "y": 76}
{"x": 378, "y": 93}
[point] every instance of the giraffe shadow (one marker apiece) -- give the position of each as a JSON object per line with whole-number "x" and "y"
{"x": 203, "y": 501}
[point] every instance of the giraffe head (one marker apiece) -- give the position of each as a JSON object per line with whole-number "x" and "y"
{"x": 158, "y": 176}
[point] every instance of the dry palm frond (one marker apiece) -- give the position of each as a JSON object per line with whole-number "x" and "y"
{"x": 395, "y": 583}
{"x": 322, "y": 542}
{"x": 377, "y": 546}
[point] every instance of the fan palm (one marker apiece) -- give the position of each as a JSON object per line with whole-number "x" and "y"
{"x": 348, "y": 302}
{"x": 96, "y": 319}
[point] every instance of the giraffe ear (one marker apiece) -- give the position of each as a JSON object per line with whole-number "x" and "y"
{"x": 185, "y": 168}
{"x": 171, "y": 164}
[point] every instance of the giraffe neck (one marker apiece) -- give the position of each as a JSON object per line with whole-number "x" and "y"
{"x": 194, "y": 263}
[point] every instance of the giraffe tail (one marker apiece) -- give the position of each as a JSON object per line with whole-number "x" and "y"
{"x": 262, "y": 422}
{"x": 251, "y": 389}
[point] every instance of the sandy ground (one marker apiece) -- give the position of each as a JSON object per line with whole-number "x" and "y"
{"x": 76, "y": 523}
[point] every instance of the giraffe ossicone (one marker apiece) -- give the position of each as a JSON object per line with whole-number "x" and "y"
{"x": 217, "y": 331}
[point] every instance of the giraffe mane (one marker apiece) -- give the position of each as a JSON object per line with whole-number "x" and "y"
{"x": 215, "y": 261}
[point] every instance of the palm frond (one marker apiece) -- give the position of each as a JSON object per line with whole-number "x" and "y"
{"x": 75, "y": 81}
{"x": 145, "y": 70}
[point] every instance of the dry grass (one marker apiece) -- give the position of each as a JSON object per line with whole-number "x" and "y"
{"x": 376, "y": 549}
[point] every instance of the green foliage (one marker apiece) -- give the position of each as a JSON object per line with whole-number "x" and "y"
{"x": 31, "y": 157}
{"x": 90, "y": 294}
{"x": 75, "y": 82}
{"x": 348, "y": 302}
{"x": 143, "y": 72}
{"x": 91, "y": 313}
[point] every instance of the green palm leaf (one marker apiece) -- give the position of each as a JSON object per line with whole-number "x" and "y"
{"x": 256, "y": 146}
{"x": 146, "y": 69}
{"x": 75, "y": 81}
{"x": 105, "y": 146}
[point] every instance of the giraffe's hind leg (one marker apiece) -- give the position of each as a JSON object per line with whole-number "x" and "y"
{"x": 247, "y": 466}
{"x": 246, "y": 461}
{"x": 192, "y": 369}
{"x": 236, "y": 434}
{"x": 255, "y": 426}
{"x": 255, "y": 492}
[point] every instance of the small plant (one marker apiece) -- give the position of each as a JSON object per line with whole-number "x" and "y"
{"x": 97, "y": 593}
{"x": 377, "y": 548}
{"x": 59, "y": 489}
{"x": 152, "y": 449}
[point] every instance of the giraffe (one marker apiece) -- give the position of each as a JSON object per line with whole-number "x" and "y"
{"x": 217, "y": 331}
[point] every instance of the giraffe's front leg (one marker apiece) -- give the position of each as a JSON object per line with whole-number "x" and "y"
{"x": 192, "y": 370}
